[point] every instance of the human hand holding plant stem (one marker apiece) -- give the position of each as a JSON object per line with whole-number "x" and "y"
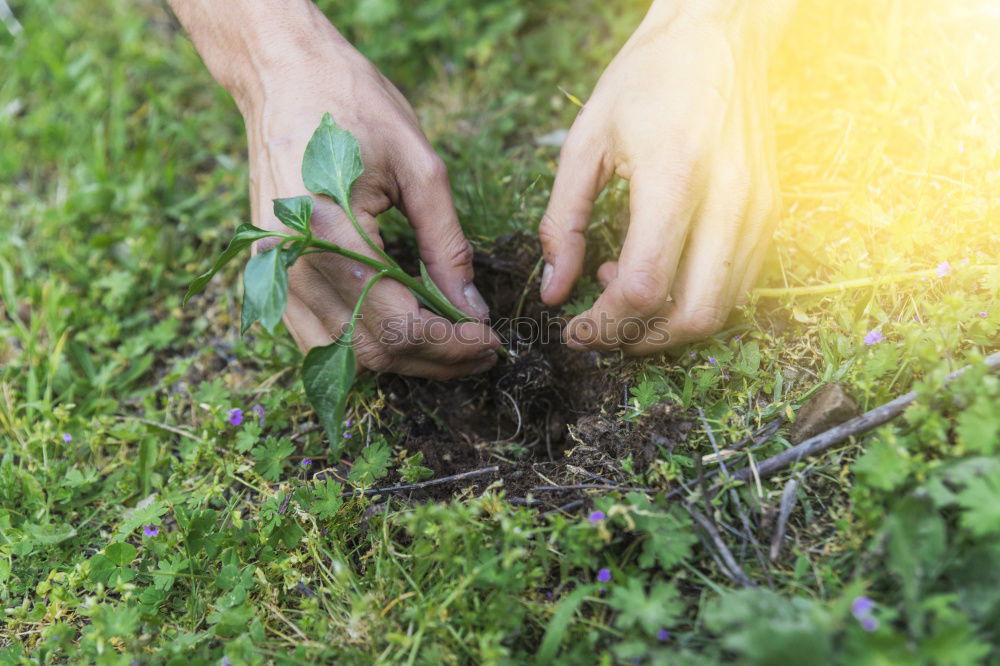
{"x": 681, "y": 112}
{"x": 321, "y": 261}
{"x": 286, "y": 66}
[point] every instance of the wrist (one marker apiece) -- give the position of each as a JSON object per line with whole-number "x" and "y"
{"x": 251, "y": 47}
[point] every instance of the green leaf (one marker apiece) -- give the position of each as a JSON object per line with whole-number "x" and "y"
{"x": 761, "y": 627}
{"x": 332, "y": 162}
{"x": 49, "y": 535}
{"x": 978, "y": 426}
{"x": 247, "y": 436}
{"x": 917, "y": 541}
{"x": 429, "y": 283}
{"x": 121, "y": 553}
{"x": 246, "y": 234}
{"x": 271, "y": 457}
{"x": 265, "y": 290}
{"x": 326, "y": 499}
{"x": 164, "y": 575}
{"x": 294, "y": 213}
{"x": 652, "y": 612}
{"x": 227, "y": 577}
{"x": 112, "y": 621}
{"x": 560, "y": 622}
{"x": 110, "y": 567}
{"x": 145, "y": 464}
{"x": 670, "y": 533}
{"x": 328, "y": 373}
{"x": 146, "y": 512}
{"x": 885, "y": 465}
{"x": 749, "y": 359}
{"x": 413, "y": 469}
{"x": 373, "y": 464}
{"x": 981, "y": 501}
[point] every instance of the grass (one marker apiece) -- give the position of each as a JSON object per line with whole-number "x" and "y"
{"x": 122, "y": 172}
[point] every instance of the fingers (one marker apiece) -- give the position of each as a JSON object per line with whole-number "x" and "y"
{"x": 607, "y": 273}
{"x": 583, "y": 172}
{"x": 306, "y": 327}
{"x": 427, "y": 203}
{"x": 390, "y": 336}
{"x": 430, "y": 347}
{"x": 661, "y": 206}
{"x": 718, "y": 248}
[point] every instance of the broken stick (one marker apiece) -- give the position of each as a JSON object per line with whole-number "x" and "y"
{"x": 867, "y": 421}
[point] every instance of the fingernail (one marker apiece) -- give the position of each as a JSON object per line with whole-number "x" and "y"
{"x": 475, "y": 301}
{"x": 546, "y": 277}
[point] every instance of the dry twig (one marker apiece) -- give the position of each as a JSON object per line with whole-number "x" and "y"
{"x": 425, "y": 484}
{"x": 867, "y": 421}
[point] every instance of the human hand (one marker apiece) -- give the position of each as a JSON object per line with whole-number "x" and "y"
{"x": 681, "y": 112}
{"x": 295, "y": 68}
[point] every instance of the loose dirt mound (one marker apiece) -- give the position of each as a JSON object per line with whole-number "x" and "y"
{"x": 547, "y": 416}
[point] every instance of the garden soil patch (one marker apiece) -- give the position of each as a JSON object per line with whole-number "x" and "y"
{"x": 547, "y": 416}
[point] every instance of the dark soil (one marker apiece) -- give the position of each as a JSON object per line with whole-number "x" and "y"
{"x": 547, "y": 416}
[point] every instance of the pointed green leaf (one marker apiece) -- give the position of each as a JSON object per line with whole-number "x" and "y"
{"x": 332, "y": 162}
{"x": 265, "y": 290}
{"x": 425, "y": 277}
{"x": 291, "y": 253}
{"x": 245, "y": 235}
{"x": 328, "y": 373}
{"x": 294, "y": 213}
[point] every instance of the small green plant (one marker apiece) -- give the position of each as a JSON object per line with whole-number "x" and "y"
{"x": 330, "y": 166}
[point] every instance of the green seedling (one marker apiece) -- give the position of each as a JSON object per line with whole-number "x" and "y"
{"x": 330, "y": 166}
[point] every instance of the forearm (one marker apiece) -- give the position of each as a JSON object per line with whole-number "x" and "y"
{"x": 252, "y": 45}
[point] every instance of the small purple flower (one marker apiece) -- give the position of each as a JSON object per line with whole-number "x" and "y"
{"x": 69, "y": 438}
{"x": 596, "y": 516}
{"x": 225, "y": 662}
{"x": 862, "y": 607}
{"x": 981, "y": 314}
{"x": 348, "y": 423}
{"x": 663, "y": 635}
{"x": 347, "y": 435}
{"x": 151, "y": 530}
{"x": 604, "y": 575}
{"x": 873, "y": 338}
{"x": 259, "y": 411}
{"x": 943, "y": 269}
{"x": 737, "y": 337}
{"x": 235, "y": 416}
{"x": 711, "y": 359}
{"x": 306, "y": 462}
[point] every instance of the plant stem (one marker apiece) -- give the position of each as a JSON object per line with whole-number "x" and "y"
{"x": 445, "y": 308}
{"x": 357, "y": 227}
{"x": 364, "y": 294}
{"x": 860, "y": 283}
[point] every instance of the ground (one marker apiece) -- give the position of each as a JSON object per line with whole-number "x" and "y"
{"x": 142, "y": 521}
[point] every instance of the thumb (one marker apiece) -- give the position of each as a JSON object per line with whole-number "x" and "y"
{"x": 444, "y": 249}
{"x": 583, "y": 172}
